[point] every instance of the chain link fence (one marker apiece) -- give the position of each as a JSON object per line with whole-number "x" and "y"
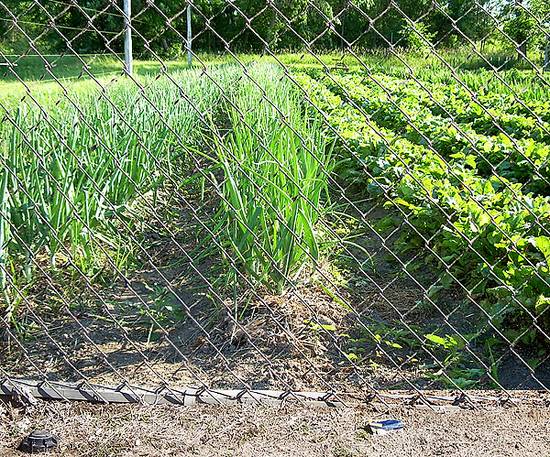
{"x": 335, "y": 201}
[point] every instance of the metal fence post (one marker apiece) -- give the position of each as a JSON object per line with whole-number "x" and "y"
{"x": 128, "y": 37}
{"x": 189, "y": 36}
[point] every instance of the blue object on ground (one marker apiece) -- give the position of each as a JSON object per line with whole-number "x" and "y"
{"x": 385, "y": 426}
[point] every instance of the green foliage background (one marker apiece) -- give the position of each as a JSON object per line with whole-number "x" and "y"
{"x": 254, "y": 25}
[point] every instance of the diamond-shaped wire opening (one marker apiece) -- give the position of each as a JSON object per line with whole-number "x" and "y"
{"x": 319, "y": 331}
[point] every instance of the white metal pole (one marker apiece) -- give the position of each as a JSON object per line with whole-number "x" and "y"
{"x": 128, "y": 37}
{"x": 189, "y": 36}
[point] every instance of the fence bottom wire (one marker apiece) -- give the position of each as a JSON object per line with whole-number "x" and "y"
{"x": 60, "y": 391}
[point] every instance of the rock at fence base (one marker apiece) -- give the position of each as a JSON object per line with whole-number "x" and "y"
{"x": 38, "y": 441}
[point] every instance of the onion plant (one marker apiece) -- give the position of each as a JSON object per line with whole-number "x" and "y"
{"x": 72, "y": 171}
{"x": 275, "y": 162}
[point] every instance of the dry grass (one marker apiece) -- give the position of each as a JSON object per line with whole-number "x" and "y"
{"x": 93, "y": 430}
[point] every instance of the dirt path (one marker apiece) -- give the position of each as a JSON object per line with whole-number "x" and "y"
{"x": 88, "y": 430}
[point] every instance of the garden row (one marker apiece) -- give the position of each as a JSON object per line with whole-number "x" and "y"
{"x": 82, "y": 177}
{"x": 488, "y": 235}
{"x": 522, "y": 160}
{"x": 489, "y": 113}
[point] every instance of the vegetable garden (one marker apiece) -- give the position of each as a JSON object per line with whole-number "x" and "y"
{"x": 468, "y": 174}
{"x": 361, "y": 223}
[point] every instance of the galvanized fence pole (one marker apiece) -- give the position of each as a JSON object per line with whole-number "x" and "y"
{"x": 128, "y": 61}
{"x": 189, "y": 36}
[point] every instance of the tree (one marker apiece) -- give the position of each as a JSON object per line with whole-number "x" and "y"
{"x": 518, "y": 26}
{"x": 541, "y": 11}
{"x": 252, "y": 25}
{"x": 457, "y": 20}
{"x": 526, "y": 22}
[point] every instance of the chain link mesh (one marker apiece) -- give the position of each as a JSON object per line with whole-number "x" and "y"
{"x": 345, "y": 197}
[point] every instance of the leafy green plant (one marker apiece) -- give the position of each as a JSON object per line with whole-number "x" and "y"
{"x": 162, "y": 312}
{"x": 455, "y": 370}
{"x": 486, "y": 227}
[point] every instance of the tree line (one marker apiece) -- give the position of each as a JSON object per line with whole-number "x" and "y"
{"x": 253, "y": 25}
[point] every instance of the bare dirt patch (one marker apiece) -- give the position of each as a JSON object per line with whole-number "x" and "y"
{"x": 170, "y": 322}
